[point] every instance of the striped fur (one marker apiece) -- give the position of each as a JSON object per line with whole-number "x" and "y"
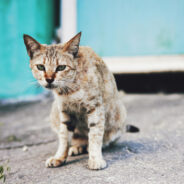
{"x": 88, "y": 112}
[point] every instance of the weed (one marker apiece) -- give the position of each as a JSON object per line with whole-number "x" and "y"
{"x": 4, "y": 170}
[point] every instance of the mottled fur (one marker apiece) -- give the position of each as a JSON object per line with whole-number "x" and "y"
{"x": 88, "y": 112}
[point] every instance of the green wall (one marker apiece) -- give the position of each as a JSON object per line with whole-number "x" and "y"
{"x": 33, "y": 17}
{"x": 132, "y": 27}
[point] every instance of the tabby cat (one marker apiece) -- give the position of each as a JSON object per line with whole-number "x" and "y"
{"x": 88, "y": 112}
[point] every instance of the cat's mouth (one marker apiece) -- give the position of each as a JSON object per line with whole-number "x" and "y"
{"x": 50, "y": 86}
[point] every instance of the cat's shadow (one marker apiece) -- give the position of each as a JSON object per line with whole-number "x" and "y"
{"x": 127, "y": 149}
{"x": 122, "y": 151}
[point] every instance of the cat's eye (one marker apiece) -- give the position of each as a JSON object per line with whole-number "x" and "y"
{"x": 60, "y": 68}
{"x": 41, "y": 67}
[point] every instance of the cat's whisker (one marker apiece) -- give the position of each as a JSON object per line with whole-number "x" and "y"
{"x": 38, "y": 85}
{"x": 34, "y": 83}
{"x": 69, "y": 81}
{"x": 67, "y": 87}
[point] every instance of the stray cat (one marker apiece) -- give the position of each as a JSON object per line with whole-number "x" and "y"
{"x": 88, "y": 112}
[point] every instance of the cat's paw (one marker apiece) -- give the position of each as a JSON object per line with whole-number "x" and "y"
{"x": 54, "y": 162}
{"x": 76, "y": 150}
{"x": 97, "y": 164}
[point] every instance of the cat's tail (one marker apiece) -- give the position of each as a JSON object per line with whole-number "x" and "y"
{"x": 128, "y": 128}
{"x": 132, "y": 129}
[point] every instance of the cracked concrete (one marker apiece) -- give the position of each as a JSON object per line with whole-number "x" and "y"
{"x": 155, "y": 155}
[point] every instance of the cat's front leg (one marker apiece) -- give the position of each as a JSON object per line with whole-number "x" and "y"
{"x": 63, "y": 135}
{"x": 96, "y": 123}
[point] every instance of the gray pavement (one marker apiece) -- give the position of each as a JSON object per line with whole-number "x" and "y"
{"x": 155, "y": 155}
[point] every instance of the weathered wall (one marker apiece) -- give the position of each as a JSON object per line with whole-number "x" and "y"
{"x": 132, "y": 27}
{"x": 34, "y": 17}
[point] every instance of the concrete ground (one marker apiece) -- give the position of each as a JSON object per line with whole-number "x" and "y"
{"x": 154, "y": 155}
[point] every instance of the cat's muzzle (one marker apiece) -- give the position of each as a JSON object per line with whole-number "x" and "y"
{"x": 50, "y": 86}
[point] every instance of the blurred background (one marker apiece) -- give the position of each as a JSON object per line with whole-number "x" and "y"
{"x": 141, "y": 41}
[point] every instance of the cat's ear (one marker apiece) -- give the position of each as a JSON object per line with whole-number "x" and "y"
{"x": 32, "y": 45}
{"x": 72, "y": 46}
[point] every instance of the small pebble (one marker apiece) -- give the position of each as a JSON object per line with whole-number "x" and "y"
{"x": 25, "y": 148}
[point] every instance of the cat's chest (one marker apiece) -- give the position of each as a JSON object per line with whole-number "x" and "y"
{"x": 72, "y": 103}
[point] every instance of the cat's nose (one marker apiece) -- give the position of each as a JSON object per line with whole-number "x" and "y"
{"x": 49, "y": 80}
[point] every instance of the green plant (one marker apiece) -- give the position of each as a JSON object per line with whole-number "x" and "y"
{"x": 4, "y": 170}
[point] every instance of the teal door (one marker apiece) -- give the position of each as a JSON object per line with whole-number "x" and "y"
{"x": 132, "y": 27}
{"x": 33, "y": 17}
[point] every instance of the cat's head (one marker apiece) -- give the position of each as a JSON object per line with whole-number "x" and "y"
{"x": 53, "y": 66}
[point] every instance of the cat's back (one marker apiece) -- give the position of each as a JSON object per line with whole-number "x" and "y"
{"x": 98, "y": 71}
{"x": 88, "y": 55}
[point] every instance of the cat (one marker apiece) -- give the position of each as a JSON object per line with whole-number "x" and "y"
{"x": 88, "y": 112}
